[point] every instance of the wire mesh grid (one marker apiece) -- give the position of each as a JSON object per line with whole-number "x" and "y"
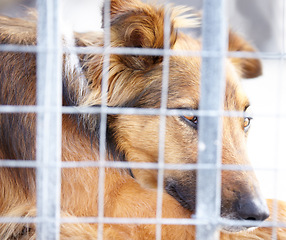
{"x": 48, "y": 163}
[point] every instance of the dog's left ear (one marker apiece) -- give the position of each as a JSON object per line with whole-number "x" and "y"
{"x": 247, "y": 67}
{"x": 140, "y": 27}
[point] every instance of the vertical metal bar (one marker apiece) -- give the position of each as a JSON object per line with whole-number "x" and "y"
{"x": 162, "y": 126}
{"x": 103, "y": 119}
{"x": 210, "y": 128}
{"x": 49, "y": 97}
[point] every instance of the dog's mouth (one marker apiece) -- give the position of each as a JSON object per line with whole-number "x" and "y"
{"x": 236, "y": 229}
{"x": 186, "y": 196}
{"x": 240, "y": 224}
{"x": 182, "y": 194}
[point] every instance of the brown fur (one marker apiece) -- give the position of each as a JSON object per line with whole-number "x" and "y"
{"x": 134, "y": 81}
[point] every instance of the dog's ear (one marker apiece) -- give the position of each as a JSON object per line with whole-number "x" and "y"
{"x": 118, "y": 7}
{"x": 247, "y": 67}
{"x": 139, "y": 25}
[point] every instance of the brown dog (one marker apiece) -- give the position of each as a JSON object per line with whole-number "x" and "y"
{"x": 134, "y": 81}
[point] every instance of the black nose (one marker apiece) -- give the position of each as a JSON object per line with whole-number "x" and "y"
{"x": 252, "y": 209}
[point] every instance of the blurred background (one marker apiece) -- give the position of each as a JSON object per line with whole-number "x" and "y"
{"x": 261, "y": 22}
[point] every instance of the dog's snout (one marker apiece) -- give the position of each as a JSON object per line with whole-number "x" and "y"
{"x": 252, "y": 209}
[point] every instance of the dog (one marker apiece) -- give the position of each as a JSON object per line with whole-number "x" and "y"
{"x": 134, "y": 81}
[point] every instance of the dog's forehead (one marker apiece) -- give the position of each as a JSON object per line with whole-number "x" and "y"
{"x": 184, "y": 84}
{"x": 186, "y": 71}
{"x": 235, "y": 97}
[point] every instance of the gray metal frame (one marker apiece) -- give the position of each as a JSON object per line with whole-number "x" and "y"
{"x": 49, "y": 122}
{"x": 210, "y": 127}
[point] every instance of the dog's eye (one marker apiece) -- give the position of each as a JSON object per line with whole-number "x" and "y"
{"x": 246, "y": 123}
{"x": 192, "y": 120}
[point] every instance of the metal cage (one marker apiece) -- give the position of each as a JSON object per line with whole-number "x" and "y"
{"x": 49, "y": 111}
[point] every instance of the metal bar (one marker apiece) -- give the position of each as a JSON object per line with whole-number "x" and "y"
{"x": 210, "y": 127}
{"x": 165, "y": 221}
{"x": 84, "y": 163}
{"x": 49, "y": 95}
{"x": 103, "y": 119}
{"x": 162, "y": 125}
{"x": 139, "y": 111}
{"x": 128, "y": 111}
{"x": 144, "y": 51}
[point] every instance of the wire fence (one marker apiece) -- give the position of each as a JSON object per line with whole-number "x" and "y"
{"x": 49, "y": 112}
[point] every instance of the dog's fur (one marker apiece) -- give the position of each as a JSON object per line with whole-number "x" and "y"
{"x": 134, "y": 81}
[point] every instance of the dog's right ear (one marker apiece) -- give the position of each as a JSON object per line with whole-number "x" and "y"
{"x": 138, "y": 25}
{"x": 247, "y": 67}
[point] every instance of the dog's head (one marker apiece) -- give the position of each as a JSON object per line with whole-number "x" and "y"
{"x": 136, "y": 81}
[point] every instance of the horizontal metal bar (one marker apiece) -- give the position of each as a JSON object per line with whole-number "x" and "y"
{"x": 145, "y": 51}
{"x": 128, "y": 111}
{"x": 137, "y": 165}
{"x": 138, "y": 111}
{"x": 165, "y": 221}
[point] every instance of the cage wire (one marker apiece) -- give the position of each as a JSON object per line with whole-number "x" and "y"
{"x": 49, "y": 111}
{"x": 210, "y": 128}
{"x": 49, "y": 96}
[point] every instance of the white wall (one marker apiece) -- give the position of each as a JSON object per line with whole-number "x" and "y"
{"x": 267, "y": 136}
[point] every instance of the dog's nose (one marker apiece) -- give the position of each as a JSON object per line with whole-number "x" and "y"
{"x": 252, "y": 209}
